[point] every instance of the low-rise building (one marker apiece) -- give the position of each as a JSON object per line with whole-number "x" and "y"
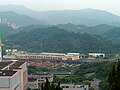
{"x": 74, "y": 87}
{"x": 97, "y": 55}
{"x": 35, "y": 81}
{"x": 47, "y": 56}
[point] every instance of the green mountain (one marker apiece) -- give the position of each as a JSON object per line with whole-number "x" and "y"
{"x": 98, "y": 29}
{"x": 53, "y": 39}
{"x": 83, "y": 16}
{"x": 5, "y": 30}
{"x": 19, "y": 19}
{"x": 113, "y": 35}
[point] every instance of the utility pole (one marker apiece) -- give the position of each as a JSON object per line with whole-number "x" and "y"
{"x": 1, "y": 49}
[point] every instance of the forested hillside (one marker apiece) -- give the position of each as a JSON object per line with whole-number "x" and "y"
{"x": 113, "y": 35}
{"x": 98, "y": 29}
{"x": 53, "y": 39}
{"x": 5, "y": 30}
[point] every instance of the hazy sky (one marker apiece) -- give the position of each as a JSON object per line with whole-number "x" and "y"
{"x": 41, "y": 5}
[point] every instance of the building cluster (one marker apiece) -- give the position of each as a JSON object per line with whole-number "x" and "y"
{"x": 5, "y": 21}
{"x": 35, "y": 82}
{"x": 13, "y": 76}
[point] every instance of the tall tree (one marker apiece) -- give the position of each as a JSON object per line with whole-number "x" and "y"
{"x": 52, "y": 86}
{"x": 114, "y": 77}
{"x": 58, "y": 87}
{"x": 47, "y": 84}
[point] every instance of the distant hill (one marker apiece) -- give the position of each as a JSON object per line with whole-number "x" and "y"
{"x": 98, "y": 29}
{"x": 113, "y": 35}
{"x": 5, "y": 30}
{"x": 19, "y": 19}
{"x": 30, "y": 27}
{"x": 53, "y": 39}
{"x": 83, "y": 16}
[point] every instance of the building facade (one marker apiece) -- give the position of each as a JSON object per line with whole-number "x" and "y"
{"x": 13, "y": 76}
{"x": 35, "y": 81}
{"x": 97, "y": 54}
{"x": 74, "y": 87}
{"x": 48, "y": 56}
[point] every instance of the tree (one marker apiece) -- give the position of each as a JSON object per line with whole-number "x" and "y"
{"x": 58, "y": 87}
{"x": 47, "y": 84}
{"x": 29, "y": 89}
{"x": 52, "y": 86}
{"x": 114, "y": 77}
{"x": 42, "y": 86}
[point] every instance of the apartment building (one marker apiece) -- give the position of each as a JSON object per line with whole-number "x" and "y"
{"x": 13, "y": 75}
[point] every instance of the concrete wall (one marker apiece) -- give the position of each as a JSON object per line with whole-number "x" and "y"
{"x": 15, "y": 82}
{"x": 4, "y": 82}
{"x": 10, "y": 82}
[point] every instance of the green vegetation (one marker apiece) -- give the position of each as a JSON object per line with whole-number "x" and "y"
{"x": 53, "y": 39}
{"x": 88, "y": 71}
{"x": 113, "y": 35}
{"x": 66, "y": 38}
{"x": 84, "y": 74}
{"x": 5, "y": 30}
{"x": 49, "y": 86}
{"x": 114, "y": 77}
{"x": 36, "y": 70}
{"x": 98, "y": 29}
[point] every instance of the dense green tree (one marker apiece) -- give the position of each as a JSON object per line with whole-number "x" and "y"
{"x": 52, "y": 86}
{"x": 58, "y": 87}
{"x": 114, "y": 77}
{"x": 53, "y": 39}
{"x": 42, "y": 86}
{"x": 47, "y": 84}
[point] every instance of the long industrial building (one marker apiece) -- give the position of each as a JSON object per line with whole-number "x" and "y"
{"x": 46, "y": 56}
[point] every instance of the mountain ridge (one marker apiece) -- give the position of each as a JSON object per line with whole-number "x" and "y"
{"x": 19, "y": 19}
{"x": 83, "y": 16}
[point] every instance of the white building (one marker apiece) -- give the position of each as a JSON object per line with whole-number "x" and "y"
{"x": 74, "y": 87}
{"x": 97, "y": 54}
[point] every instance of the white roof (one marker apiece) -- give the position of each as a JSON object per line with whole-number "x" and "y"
{"x": 73, "y": 53}
{"x": 96, "y": 53}
{"x": 53, "y": 53}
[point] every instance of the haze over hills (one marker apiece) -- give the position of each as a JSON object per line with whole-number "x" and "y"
{"x": 71, "y": 32}
{"x": 19, "y": 19}
{"x": 83, "y": 16}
